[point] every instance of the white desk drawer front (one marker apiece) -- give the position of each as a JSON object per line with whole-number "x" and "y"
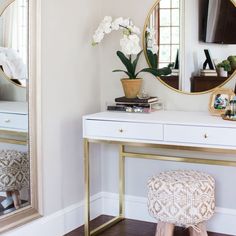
{"x": 126, "y": 130}
{"x": 201, "y": 135}
{"x": 14, "y": 121}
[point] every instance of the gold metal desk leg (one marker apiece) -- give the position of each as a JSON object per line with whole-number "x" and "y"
{"x": 87, "y": 189}
{"x": 121, "y": 182}
{"x": 117, "y": 219}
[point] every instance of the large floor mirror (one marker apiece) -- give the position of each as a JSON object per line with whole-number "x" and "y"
{"x": 18, "y": 180}
{"x": 196, "y": 38}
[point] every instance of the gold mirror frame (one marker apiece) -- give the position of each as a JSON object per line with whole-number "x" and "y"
{"x": 3, "y": 7}
{"x": 146, "y": 57}
{"x": 34, "y": 209}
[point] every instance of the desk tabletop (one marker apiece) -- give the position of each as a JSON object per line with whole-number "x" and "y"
{"x": 14, "y": 107}
{"x": 165, "y": 117}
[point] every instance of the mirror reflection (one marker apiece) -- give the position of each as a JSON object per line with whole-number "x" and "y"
{"x": 14, "y": 154}
{"x": 13, "y": 42}
{"x": 196, "y": 39}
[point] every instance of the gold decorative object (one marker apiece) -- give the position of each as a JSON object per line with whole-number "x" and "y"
{"x": 225, "y": 117}
{"x": 219, "y": 100}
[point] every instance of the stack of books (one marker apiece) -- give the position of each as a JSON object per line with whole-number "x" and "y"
{"x": 137, "y": 105}
{"x": 208, "y": 72}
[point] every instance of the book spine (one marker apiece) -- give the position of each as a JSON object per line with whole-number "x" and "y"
{"x": 136, "y": 100}
{"x": 129, "y": 109}
{"x": 133, "y": 100}
{"x": 145, "y": 105}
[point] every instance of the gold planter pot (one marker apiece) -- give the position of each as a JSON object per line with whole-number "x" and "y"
{"x": 131, "y": 87}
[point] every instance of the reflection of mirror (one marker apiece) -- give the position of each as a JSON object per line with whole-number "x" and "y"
{"x": 14, "y": 42}
{"x": 180, "y": 30}
{"x": 14, "y": 156}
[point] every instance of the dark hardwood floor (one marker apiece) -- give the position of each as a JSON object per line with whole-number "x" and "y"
{"x": 129, "y": 228}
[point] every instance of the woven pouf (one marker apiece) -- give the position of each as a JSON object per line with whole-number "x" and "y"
{"x": 183, "y": 198}
{"x": 14, "y": 173}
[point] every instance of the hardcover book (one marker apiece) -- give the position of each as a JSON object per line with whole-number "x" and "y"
{"x": 136, "y": 100}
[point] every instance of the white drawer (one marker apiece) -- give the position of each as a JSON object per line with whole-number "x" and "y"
{"x": 14, "y": 121}
{"x": 124, "y": 130}
{"x": 201, "y": 135}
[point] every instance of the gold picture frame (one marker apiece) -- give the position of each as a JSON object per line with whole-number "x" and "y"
{"x": 219, "y": 100}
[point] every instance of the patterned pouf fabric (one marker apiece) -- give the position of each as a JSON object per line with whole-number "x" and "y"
{"x": 182, "y": 197}
{"x": 14, "y": 170}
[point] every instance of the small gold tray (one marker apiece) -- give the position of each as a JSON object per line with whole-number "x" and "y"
{"x": 224, "y": 117}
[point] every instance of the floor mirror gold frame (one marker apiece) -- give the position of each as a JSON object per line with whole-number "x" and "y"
{"x": 34, "y": 209}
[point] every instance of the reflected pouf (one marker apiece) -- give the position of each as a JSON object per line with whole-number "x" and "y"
{"x": 182, "y": 198}
{"x": 14, "y": 173}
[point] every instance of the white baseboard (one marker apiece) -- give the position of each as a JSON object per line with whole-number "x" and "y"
{"x": 224, "y": 220}
{"x": 61, "y": 222}
{"x": 72, "y": 217}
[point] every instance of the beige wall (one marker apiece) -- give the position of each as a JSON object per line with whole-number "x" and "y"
{"x": 70, "y": 89}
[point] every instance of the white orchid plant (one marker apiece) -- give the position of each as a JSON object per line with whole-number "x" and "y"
{"x": 130, "y": 46}
{"x": 150, "y": 35}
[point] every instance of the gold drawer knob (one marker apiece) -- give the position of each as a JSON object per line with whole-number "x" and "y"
{"x": 205, "y": 136}
{"x": 7, "y": 121}
{"x": 121, "y": 130}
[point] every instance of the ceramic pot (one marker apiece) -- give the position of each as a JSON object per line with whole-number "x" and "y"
{"x": 131, "y": 87}
{"x": 221, "y": 72}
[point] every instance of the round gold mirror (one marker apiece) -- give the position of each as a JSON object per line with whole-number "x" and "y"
{"x": 14, "y": 41}
{"x": 196, "y": 39}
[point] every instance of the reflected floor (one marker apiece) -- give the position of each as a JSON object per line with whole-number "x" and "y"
{"x": 10, "y": 208}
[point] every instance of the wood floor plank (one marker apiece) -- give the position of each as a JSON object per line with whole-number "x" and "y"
{"x": 130, "y": 228}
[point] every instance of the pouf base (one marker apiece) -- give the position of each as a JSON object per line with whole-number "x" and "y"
{"x": 167, "y": 229}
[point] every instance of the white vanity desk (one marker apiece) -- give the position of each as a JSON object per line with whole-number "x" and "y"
{"x": 194, "y": 131}
{"x": 13, "y": 122}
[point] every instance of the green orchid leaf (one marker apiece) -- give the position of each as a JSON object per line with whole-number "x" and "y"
{"x": 152, "y": 59}
{"x": 155, "y": 61}
{"x": 136, "y": 60}
{"x": 156, "y": 72}
{"x": 127, "y": 63}
{"x": 148, "y": 70}
{"x": 126, "y": 72}
{"x": 164, "y": 71}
